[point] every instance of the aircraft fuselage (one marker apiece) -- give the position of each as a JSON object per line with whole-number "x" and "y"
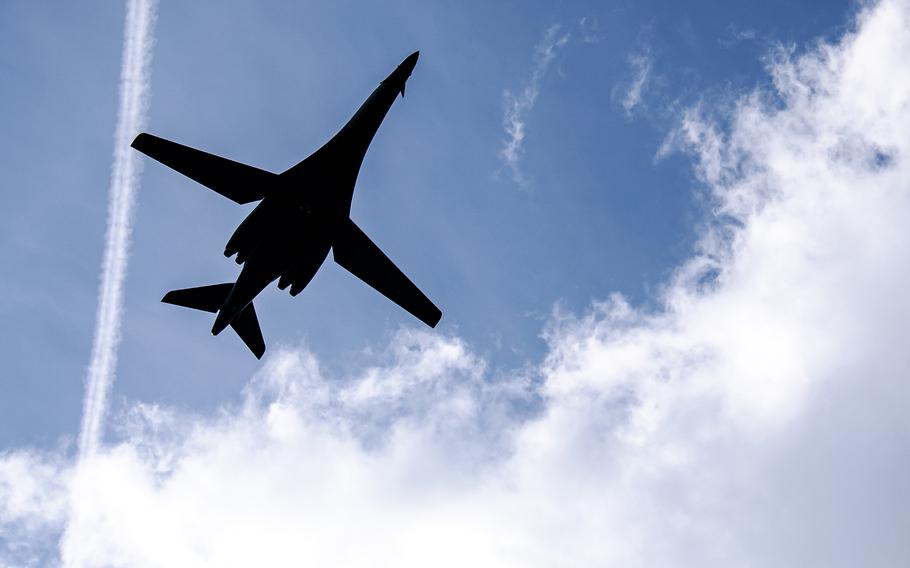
{"x": 303, "y": 213}
{"x": 289, "y": 234}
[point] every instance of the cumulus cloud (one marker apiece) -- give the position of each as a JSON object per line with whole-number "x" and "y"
{"x": 33, "y": 506}
{"x": 757, "y": 417}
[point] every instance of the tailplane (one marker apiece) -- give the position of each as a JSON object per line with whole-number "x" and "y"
{"x": 205, "y": 298}
{"x": 210, "y": 299}
{"x": 247, "y": 327}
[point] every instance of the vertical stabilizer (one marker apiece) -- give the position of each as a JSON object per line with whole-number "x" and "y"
{"x": 211, "y": 299}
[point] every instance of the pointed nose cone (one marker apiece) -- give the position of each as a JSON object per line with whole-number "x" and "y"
{"x": 399, "y": 76}
{"x": 407, "y": 66}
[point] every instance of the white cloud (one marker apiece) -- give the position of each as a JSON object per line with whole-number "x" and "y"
{"x": 518, "y": 105}
{"x": 589, "y": 30}
{"x": 735, "y": 35}
{"x": 640, "y": 64}
{"x": 33, "y": 506}
{"x": 757, "y": 418}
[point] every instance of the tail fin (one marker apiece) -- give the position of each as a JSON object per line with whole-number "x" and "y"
{"x": 210, "y": 299}
{"x": 247, "y": 327}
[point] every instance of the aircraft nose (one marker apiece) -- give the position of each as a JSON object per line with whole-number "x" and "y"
{"x": 410, "y": 62}
{"x": 399, "y": 76}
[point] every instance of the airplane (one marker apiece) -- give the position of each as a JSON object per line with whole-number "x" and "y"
{"x": 302, "y": 214}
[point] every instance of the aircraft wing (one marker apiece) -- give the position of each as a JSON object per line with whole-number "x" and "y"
{"x": 238, "y": 182}
{"x": 354, "y": 251}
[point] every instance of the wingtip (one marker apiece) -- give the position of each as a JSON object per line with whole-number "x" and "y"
{"x": 137, "y": 141}
{"x": 257, "y": 348}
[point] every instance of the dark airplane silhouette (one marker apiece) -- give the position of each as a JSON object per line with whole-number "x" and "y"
{"x": 304, "y": 212}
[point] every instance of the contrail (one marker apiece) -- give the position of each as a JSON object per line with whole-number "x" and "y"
{"x": 131, "y": 118}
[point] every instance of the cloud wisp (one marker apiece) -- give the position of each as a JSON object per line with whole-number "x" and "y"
{"x": 589, "y": 30}
{"x": 640, "y": 64}
{"x": 734, "y": 35}
{"x": 517, "y": 105}
{"x": 757, "y": 417}
{"x": 125, "y": 170}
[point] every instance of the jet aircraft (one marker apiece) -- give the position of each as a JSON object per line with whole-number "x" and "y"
{"x": 302, "y": 214}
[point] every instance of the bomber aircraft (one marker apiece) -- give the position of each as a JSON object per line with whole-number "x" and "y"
{"x": 303, "y": 213}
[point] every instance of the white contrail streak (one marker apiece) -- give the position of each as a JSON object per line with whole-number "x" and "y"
{"x": 131, "y": 118}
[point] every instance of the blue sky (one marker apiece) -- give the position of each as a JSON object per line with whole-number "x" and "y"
{"x": 676, "y": 316}
{"x": 267, "y": 85}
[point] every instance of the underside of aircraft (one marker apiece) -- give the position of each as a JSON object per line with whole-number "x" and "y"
{"x": 302, "y": 215}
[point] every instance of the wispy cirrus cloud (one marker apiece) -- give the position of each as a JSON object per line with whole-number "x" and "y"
{"x": 518, "y": 104}
{"x": 640, "y": 64}
{"x": 735, "y": 35}
{"x": 589, "y": 30}
{"x": 756, "y": 417}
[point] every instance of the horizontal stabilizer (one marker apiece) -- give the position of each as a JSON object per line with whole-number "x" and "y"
{"x": 238, "y": 182}
{"x": 354, "y": 251}
{"x": 247, "y": 327}
{"x": 205, "y": 298}
{"x": 211, "y": 299}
